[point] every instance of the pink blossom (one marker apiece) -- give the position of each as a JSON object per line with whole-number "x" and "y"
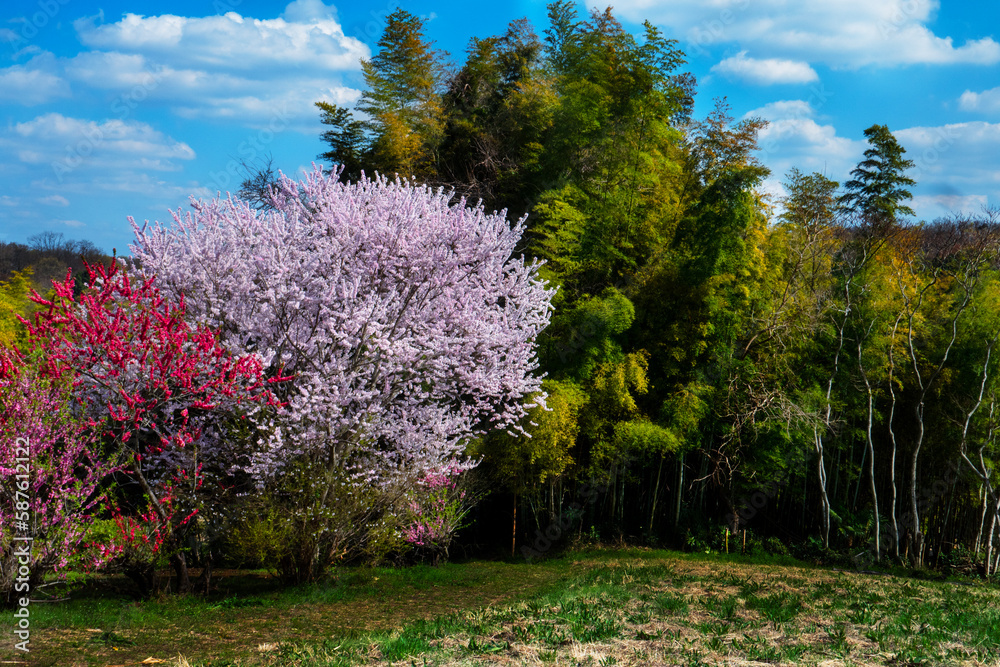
{"x": 406, "y": 320}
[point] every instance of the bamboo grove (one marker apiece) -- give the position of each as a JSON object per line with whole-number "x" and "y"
{"x": 820, "y": 370}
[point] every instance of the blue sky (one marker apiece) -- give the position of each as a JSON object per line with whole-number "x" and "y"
{"x": 120, "y": 108}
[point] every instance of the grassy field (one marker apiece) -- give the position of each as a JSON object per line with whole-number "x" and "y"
{"x": 604, "y": 607}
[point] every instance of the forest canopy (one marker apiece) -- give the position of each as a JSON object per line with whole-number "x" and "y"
{"x": 720, "y": 360}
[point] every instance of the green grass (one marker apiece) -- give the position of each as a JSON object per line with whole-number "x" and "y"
{"x": 608, "y": 607}
{"x": 249, "y": 610}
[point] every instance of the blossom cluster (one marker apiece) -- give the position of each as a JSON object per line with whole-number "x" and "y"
{"x": 65, "y": 472}
{"x": 406, "y": 320}
{"x": 437, "y": 509}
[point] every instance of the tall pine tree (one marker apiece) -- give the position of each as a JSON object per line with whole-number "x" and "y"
{"x": 879, "y": 187}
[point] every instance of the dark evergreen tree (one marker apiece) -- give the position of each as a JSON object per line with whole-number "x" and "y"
{"x": 879, "y": 189}
{"x": 346, "y": 139}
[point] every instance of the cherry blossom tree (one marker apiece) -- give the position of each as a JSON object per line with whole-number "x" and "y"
{"x": 406, "y": 320}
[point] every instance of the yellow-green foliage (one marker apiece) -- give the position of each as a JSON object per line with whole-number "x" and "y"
{"x": 263, "y": 539}
{"x": 557, "y": 232}
{"x": 14, "y": 301}
{"x": 615, "y": 417}
{"x": 685, "y": 409}
{"x": 643, "y": 436}
{"x": 617, "y": 383}
{"x": 523, "y": 461}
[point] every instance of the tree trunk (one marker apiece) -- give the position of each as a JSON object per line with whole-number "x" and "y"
{"x": 824, "y": 500}
{"x": 656, "y": 494}
{"x": 860, "y": 482}
{"x": 989, "y": 540}
{"x": 916, "y": 536}
{"x": 827, "y": 420}
{"x": 969, "y": 283}
{"x": 892, "y": 438}
{"x": 513, "y": 533}
{"x": 680, "y": 490}
{"x": 179, "y": 561}
{"x": 982, "y": 521}
{"x": 870, "y": 451}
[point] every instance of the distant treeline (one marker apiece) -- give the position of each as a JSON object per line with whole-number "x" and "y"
{"x": 48, "y": 255}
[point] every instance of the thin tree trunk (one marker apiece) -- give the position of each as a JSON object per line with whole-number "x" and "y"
{"x": 805, "y": 495}
{"x": 982, "y": 471}
{"x": 680, "y": 490}
{"x": 892, "y": 438}
{"x": 860, "y": 483}
{"x": 984, "y": 499}
{"x": 917, "y": 536}
{"x": 969, "y": 284}
{"x": 942, "y": 533}
{"x": 870, "y": 453}
{"x": 552, "y": 502}
{"x": 989, "y": 540}
{"x": 614, "y": 491}
{"x": 656, "y": 494}
{"x": 827, "y": 420}
{"x": 836, "y": 472}
{"x": 513, "y": 534}
{"x": 824, "y": 500}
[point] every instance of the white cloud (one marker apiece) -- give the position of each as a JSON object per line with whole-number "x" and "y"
{"x": 783, "y": 109}
{"x": 955, "y": 166}
{"x": 223, "y": 67}
{"x": 195, "y": 94}
{"x": 306, "y": 11}
{"x": 935, "y": 206}
{"x": 54, "y": 200}
{"x": 808, "y": 145}
{"x": 766, "y": 71}
{"x": 232, "y": 42}
{"x": 35, "y": 82}
{"x": 842, "y": 34}
{"x": 794, "y": 138}
{"x": 955, "y": 151}
{"x": 110, "y": 71}
{"x": 7, "y": 200}
{"x": 67, "y": 144}
{"x": 988, "y": 101}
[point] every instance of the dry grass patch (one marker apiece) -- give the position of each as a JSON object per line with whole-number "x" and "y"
{"x": 640, "y": 608}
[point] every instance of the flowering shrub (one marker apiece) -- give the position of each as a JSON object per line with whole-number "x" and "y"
{"x": 50, "y": 474}
{"x": 436, "y": 512}
{"x": 406, "y": 320}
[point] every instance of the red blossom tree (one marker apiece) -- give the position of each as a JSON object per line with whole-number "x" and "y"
{"x": 155, "y": 388}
